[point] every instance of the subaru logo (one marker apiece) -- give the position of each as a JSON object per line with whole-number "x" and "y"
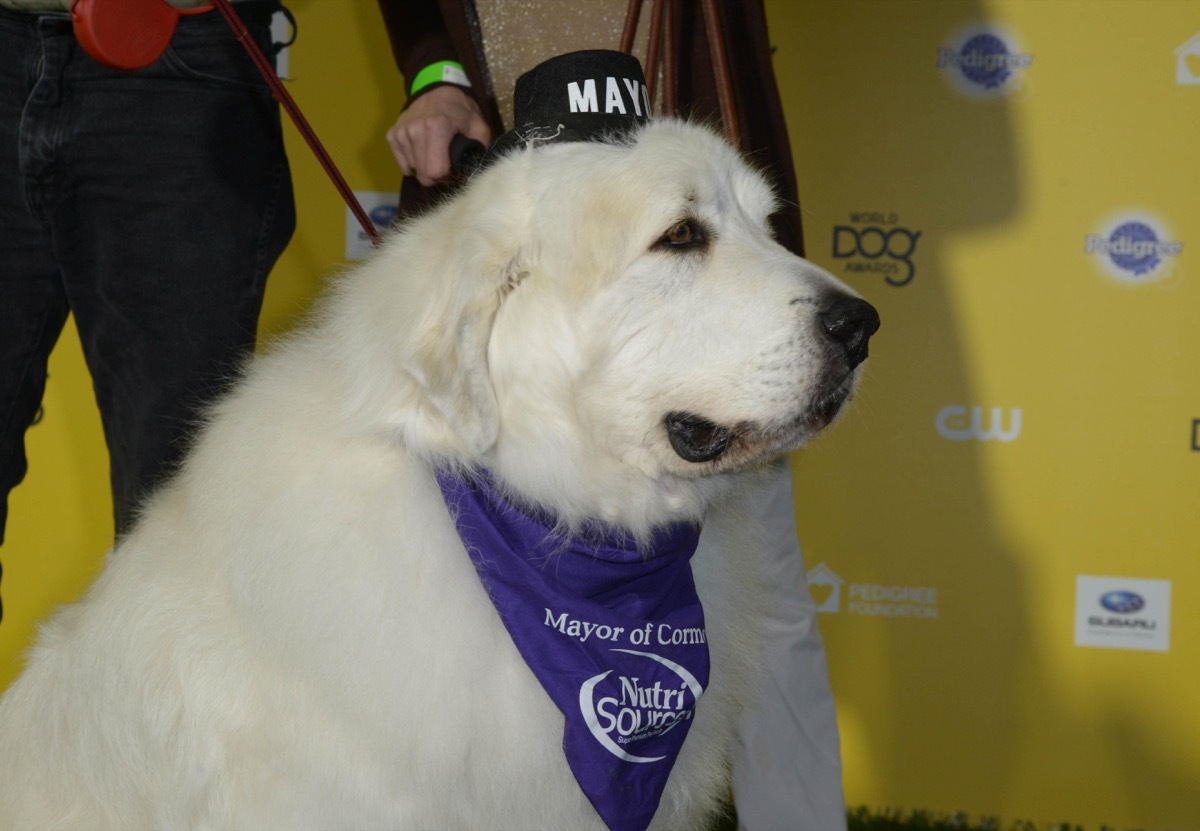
{"x": 1122, "y": 602}
{"x": 384, "y": 215}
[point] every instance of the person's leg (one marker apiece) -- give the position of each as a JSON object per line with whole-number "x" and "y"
{"x": 180, "y": 203}
{"x": 33, "y": 307}
{"x": 787, "y": 771}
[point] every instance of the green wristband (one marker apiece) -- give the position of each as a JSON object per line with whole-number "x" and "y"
{"x": 442, "y": 72}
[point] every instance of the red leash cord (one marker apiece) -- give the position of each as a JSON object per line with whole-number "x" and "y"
{"x": 281, "y": 95}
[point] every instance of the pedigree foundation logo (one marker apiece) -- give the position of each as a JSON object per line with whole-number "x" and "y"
{"x": 1187, "y": 61}
{"x": 1134, "y": 248}
{"x": 984, "y": 61}
{"x": 870, "y": 599}
{"x": 876, "y": 244}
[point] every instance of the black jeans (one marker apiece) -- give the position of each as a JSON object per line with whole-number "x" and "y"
{"x": 151, "y": 205}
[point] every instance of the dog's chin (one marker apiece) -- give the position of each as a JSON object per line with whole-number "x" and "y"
{"x": 710, "y": 445}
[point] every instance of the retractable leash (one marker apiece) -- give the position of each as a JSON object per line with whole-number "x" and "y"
{"x": 132, "y": 34}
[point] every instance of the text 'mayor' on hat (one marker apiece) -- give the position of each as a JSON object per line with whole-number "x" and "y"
{"x": 580, "y": 96}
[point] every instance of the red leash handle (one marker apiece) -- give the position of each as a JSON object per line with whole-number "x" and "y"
{"x": 132, "y": 34}
{"x": 281, "y": 95}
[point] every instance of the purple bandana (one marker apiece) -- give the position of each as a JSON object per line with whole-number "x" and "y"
{"x": 615, "y": 636}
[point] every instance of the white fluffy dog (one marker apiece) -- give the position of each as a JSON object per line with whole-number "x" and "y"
{"x": 293, "y": 636}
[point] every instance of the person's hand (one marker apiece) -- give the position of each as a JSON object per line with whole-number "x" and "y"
{"x": 420, "y": 138}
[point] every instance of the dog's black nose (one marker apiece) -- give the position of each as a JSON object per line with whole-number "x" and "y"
{"x": 849, "y": 323}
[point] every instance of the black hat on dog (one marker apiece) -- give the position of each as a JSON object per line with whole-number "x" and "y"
{"x": 580, "y": 96}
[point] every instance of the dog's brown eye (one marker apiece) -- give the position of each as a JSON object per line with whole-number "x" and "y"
{"x": 686, "y": 232}
{"x": 681, "y": 234}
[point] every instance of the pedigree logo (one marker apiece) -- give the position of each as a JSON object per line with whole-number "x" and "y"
{"x": 875, "y": 244}
{"x": 1134, "y": 248}
{"x": 984, "y": 61}
{"x": 960, "y": 423}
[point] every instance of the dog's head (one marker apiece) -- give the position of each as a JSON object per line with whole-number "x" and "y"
{"x": 610, "y": 326}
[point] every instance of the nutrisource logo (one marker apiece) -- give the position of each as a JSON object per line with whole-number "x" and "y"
{"x": 1134, "y": 247}
{"x": 624, "y": 710}
{"x": 984, "y": 61}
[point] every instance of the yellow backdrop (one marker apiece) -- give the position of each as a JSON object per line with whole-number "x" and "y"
{"x": 1013, "y": 184}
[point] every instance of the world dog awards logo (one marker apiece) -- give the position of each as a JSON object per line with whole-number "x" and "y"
{"x": 983, "y": 61}
{"x": 874, "y": 243}
{"x": 1122, "y": 613}
{"x": 1134, "y": 248}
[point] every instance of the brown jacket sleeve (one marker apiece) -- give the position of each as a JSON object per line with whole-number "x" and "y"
{"x": 423, "y": 32}
{"x": 417, "y": 33}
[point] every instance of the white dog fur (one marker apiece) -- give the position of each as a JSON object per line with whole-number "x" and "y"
{"x": 293, "y": 637}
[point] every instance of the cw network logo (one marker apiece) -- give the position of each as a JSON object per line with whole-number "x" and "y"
{"x": 983, "y": 60}
{"x": 958, "y": 423}
{"x": 1134, "y": 248}
{"x": 875, "y": 244}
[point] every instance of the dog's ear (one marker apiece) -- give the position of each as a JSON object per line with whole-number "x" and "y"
{"x": 413, "y": 323}
{"x": 448, "y": 358}
{"x": 470, "y": 251}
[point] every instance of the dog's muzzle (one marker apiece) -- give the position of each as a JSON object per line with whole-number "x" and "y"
{"x": 847, "y": 324}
